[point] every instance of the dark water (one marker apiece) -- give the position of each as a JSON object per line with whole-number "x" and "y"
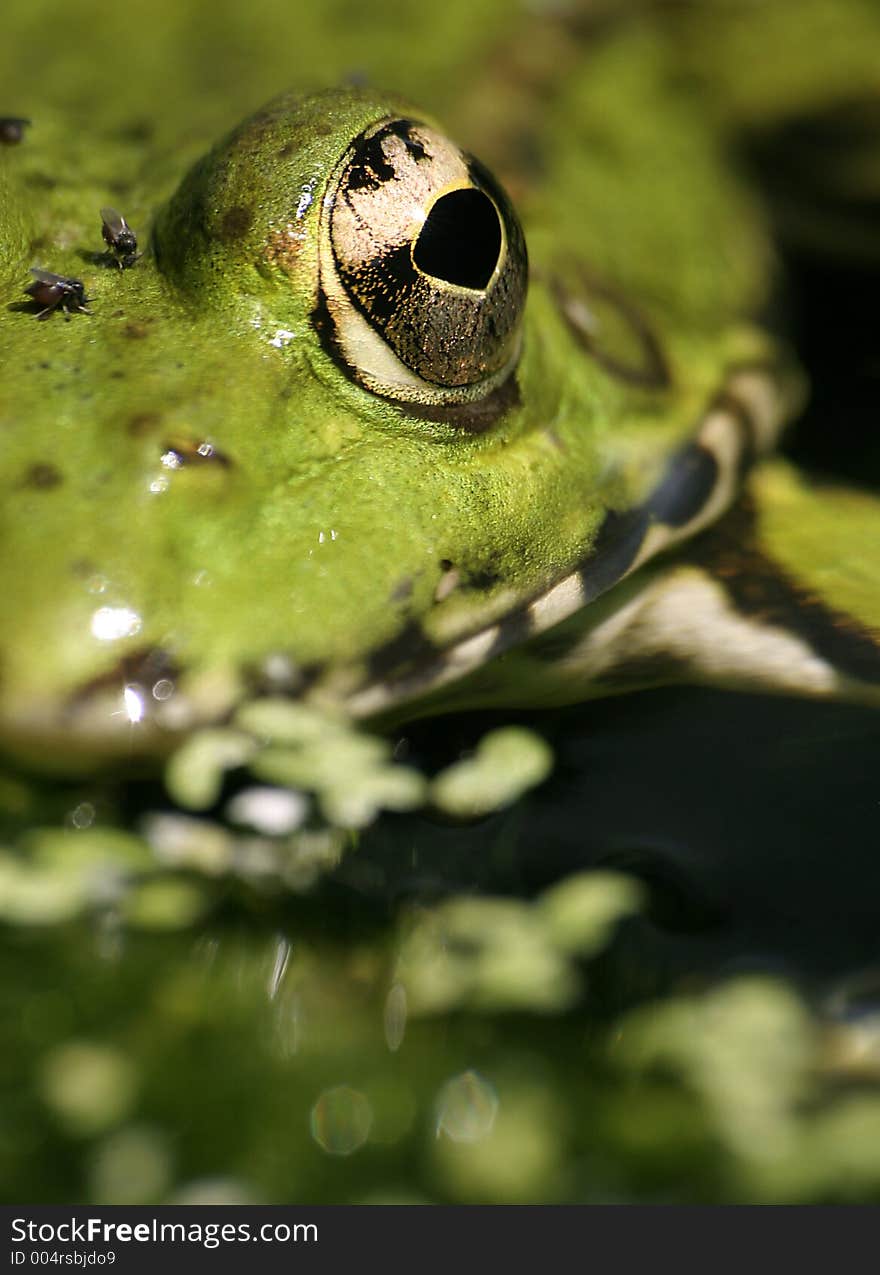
{"x": 753, "y": 821}
{"x": 266, "y": 1053}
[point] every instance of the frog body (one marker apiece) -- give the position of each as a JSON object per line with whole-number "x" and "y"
{"x": 222, "y": 484}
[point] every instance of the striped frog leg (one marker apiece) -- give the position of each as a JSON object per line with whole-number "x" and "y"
{"x": 782, "y": 595}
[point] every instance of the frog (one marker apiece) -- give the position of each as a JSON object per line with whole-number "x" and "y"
{"x": 393, "y": 416}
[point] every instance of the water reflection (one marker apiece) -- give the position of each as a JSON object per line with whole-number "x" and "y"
{"x": 341, "y": 1120}
{"x": 82, "y": 816}
{"x": 110, "y": 624}
{"x": 474, "y": 1047}
{"x": 735, "y": 1089}
{"x": 394, "y": 1017}
{"x": 466, "y": 1108}
{"x": 279, "y": 967}
{"x": 287, "y": 1023}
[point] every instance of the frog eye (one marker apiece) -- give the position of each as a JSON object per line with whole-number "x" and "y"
{"x": 423, "y": 268}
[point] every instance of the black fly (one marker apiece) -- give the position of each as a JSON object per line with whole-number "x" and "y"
{"x": 12, "y": 129}
{"x": 119, "y": 237}
{"x": 56, "y": 291}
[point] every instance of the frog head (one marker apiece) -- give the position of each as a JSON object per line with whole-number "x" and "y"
{"x": 319, "y": 440}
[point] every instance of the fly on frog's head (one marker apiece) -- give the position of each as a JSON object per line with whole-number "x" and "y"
{"x": 349, "y": 216}
{"x": 119, "y": 237}
{"x": 57, "y": 292}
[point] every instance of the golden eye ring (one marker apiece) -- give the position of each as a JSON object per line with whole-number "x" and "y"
{"x": 423, "y": 268}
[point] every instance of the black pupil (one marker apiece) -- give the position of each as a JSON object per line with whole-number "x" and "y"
{"x": 460, "y": 240}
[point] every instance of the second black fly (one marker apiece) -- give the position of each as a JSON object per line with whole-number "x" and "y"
{"x": 119, "y": 238}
